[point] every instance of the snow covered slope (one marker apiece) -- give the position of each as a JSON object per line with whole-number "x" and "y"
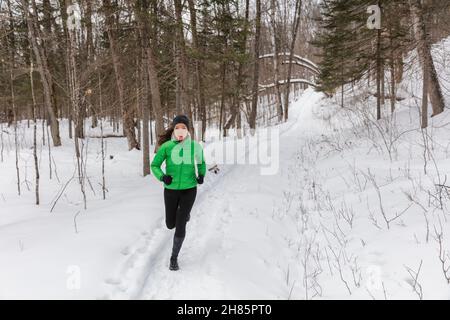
{"x": 119, "y": 247}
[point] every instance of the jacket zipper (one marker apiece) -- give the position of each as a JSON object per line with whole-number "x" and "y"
{"x": 181, "y": 166}
{"x": 181, "y": 169}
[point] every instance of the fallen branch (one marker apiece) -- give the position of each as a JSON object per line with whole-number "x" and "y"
{"x": 107, "y": 136}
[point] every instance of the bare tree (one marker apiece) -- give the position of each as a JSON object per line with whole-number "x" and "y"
{"x": 255, "y": 86}
{"x": 44, "y": 71}
{"x": 296, "y": 24}
{"x": 36, "y": 163}
{"x": 276, "y": 57}
{"x": 127, "y": 111}
{"x": 198, "y": 67}
{"x": 183, "y": 100}
{"x": 148, "y": 34}
{"x": 423, "y": 48}
{"x": 11, "y": 52}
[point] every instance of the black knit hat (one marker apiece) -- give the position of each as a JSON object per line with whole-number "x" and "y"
{"x": 180, "y": 119}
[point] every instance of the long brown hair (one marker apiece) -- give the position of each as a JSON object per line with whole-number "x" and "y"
{"x": 165, "y": 136}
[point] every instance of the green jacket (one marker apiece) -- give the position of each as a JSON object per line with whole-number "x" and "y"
{"x": 179, "y": 158}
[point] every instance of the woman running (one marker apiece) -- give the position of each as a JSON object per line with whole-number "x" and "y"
{"x": 180, "y": 153}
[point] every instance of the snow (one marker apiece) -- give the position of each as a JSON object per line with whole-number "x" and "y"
{"x": 306, "y": 61}
{"x": 313, "y": 230}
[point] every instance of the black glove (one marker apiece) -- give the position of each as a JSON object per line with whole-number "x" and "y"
{"x": 167, "y": 179}
{"x": 200, "y": 179}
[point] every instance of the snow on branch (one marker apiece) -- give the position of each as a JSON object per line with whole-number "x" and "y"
{"x": 300, "y": 60}
{"x": 307, "y": 66}
{"x": 292, "y": 81}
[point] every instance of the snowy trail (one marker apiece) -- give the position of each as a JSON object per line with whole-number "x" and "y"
{"x": 148, "y": 255}
{"x": 213, "y": 249}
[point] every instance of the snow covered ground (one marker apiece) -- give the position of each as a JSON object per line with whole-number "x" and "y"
{"x": 354, "y": 212}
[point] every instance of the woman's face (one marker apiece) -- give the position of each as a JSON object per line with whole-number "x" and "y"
{"x": 180, "y": 131}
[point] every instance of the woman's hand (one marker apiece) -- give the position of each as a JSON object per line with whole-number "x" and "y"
{"x": 200, "y": 179}
{"x": 167, "y": 179}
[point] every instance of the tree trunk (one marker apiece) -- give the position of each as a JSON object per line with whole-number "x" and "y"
{"x": 144, "y": 106}
{"x": 255, "y": 88}
{"x": 89, "y": 32}
{"x": 399, "y": 69}
{"x": 276, "y": 59}
{"x": 180, "y": 56}
{"x": 198, "y": 68}
{"x": 127, "y": 111}
{"x": 46, "y": 77}
{"x": 143, "y": 15}
{"x": 64, "y": 44}
{"x": 424, "y": 50}
{"x": 392, "y": 69}
{"x": 48, "y": 47}
{"x": 89, "y": 52}
{"x": 424, "y": 120}
{"x": 222, "y": 96}
{"x": 383, "y": 83}
{"x": 297, "y": 14}
{"x": 10, "y": 42}
{"x": 379, "y": 70}
{"x": 101, "y": 132}
{"x": 36, "y": 162}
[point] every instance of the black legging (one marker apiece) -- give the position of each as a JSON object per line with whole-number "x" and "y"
{"x": 178, "y": 205}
